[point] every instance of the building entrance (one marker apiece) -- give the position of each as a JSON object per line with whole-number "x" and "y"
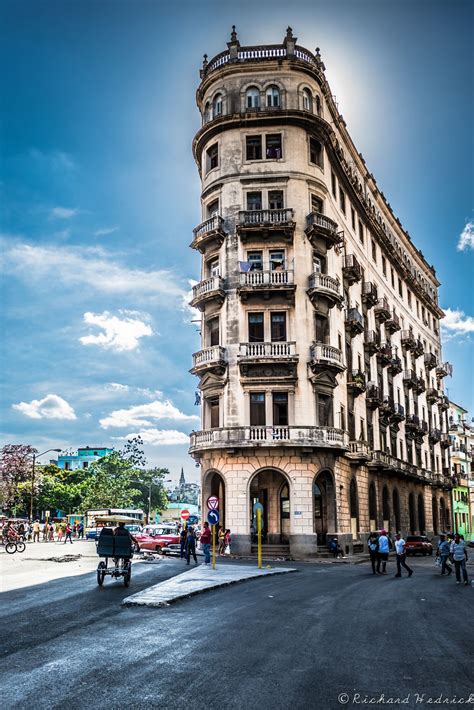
{"x": 324, "y": 506}
{"x": 270, "y": 488}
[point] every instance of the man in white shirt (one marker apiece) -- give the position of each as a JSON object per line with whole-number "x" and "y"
{"x": 401, "y": 556}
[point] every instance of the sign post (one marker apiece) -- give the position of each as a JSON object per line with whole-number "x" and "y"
{"x": 257, "y": 508}
{"x": 213, "y": 519}
{"x": 184, "y": 517}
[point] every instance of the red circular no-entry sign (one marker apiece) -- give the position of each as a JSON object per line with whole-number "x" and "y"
{"x": 185, "y": 514}
{"x": 213, "y": 502}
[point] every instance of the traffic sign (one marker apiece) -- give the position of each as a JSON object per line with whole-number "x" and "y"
{"x": 213, "y": 502}
{"x": 213, "y": 517}
{"x": 193, "y": 519}
{"x": 185, "y": 514}
{"x": 257, "y": 506}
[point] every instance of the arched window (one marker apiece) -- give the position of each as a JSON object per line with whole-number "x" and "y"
{"x": 411, "y": 513}
{"x": 318, "y": 105}
{"x": 307, "y": 100}
{"x": 273, "y": 97}
{"x": 396, "y": 509}
{"x": 354, "y": 508}
{"x": 207, "y": 112}
{"x": 421, "y": 514}
{"x": 252, "y": 98}
{"x": 372, "y": 506}
{"x": 217, "y": 106}
{"x": 385, "y": 507}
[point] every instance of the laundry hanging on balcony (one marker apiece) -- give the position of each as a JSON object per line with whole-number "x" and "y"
{"x": 245, "y": 266}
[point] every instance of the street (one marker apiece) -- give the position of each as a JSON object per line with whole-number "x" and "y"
{"x": 302, "y": 640}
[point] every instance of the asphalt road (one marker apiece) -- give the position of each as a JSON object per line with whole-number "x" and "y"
{"x": 292, "y": 641}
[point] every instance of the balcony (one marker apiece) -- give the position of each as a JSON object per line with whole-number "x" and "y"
{"x": 385, "y": 354}
{"x": 209, "y": 233}
{"x": 382, "y": 310}
{"x": 445, "y": 441}
{"x": 382, "y": 460}
{"x": 369, "y": 294}
{"x": 213, "y": 359}
{"x": 432, "y": 395}
{"x": 373, "y": 396}
{"x": 387, "y": 408}
{"x": 358, "y": 451}
{"x": 263, "y": 224}
{"x": 265, "y": 361}
{"x": 356, "y": 382}
{"x": 444, "y": 370}
{"x": 443, "y": 403}
{"x": 398, "y": 413}
{"x": 393, "y": 323}
{"x": 371, "y": 342}
{"x": 267, "y": 284}
{"x": 206, "y": 291}
{"x": 351, "y": 269}
{"x": 325, "y": 357}
{"x": 263, "y": 352}
{"x": 325, "y": 287}
{"x": 354, "y": 321}
{"x": 412, "y": 426}
{"x": 420, "y": 385}
{"x": 250, "y": 437}
{"x": 321, "y": 229}
{"x": 430, "y": 361}
{"x": 395, "y": 365}
{"x": 418, "y": 350}
{"x": 410, "y": 379}
{"x": 435, "y": 436}
{"x": 408, "y": 340}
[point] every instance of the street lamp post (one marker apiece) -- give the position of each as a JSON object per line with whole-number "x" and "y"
{"x": 36, "y": 456}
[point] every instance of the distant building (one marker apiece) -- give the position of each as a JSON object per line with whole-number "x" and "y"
{"x": 185, "y": 492}
{"x": 461, "y": 432}
{"x": 84, "y": 457}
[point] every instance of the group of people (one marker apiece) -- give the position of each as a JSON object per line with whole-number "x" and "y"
{"x": 454, "y": 550}
{"x": 188, "y": 538}
{"x": 60, "y": 531}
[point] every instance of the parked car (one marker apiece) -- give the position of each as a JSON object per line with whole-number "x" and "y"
{"x": 418, "y": 544}
{"x": 92, "y": 533}
{"x": 157, "y": 539}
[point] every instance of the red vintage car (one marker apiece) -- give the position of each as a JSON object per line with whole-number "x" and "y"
{"x": 418, "y": 544}
{"x": 156, "y": 538}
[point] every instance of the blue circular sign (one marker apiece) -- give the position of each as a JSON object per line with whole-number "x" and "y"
{"x": 213, "y": 517}
{"x": 192, "y": 520}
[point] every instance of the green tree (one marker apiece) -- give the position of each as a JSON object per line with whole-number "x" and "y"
{"x": 154, "y": 477}
{"x": 111, "y": 483}
{"x": 60, "y": 489}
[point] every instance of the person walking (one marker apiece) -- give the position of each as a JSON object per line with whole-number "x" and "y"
{"x": 191, "y": 546}
{"x": 373, "y": 545}
{"x": 60, "y": 532}
{"x": 401, "y": 556}
{"x": 68, "y": 534}
{"x": 221, "y": 540}
{"x": 444, "y": 549}
{"x": 182, "y": 543}
{"x": 227, "y": 541}
{"x": 206, "y": 543}
{"x": 36, "y": 531}
{"x": 51, "y": 533}
{"x": 382, "y": 557}
{"x": 80, "y": 531}
{"x": 459, "y": 557}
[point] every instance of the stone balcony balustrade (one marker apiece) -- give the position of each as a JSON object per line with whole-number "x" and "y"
{"x": 213, "y": 359}
{"x": 322, "y": 286}
{"x": 320, "y": 228}
{"x": 266, "y": 283}
{"x": 263, "y": 224}
{"x": 211, "y": 289}
{"x": 209, "y": 233}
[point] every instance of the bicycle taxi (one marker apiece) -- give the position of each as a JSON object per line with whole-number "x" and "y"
{"x": 115, "y": 547}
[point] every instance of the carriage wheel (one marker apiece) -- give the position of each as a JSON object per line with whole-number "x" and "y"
{"x": 20, "y": 546}
{"x": 101, "y": 573}
{"x": 10, "y": 547}
{"x": 127, "y": 575}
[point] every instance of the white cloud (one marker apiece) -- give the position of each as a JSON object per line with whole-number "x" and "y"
{"x": 105, "y": 231}
{"x": 144, "y": 415}
{"x": 89, "y": 267}
{"x": 50, "y": 407}
{"x": 456, "y": 323}
{"x": 160, "y": 437}
{"x": 118, "y": 333}
{"x": 466, "y": 238}
{"x": 56, "y": 160}
{"x": 126, "y": 389}
{"x": 63, "y": 212}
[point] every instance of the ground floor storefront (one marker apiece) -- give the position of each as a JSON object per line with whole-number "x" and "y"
{"x": 308, "y": 499}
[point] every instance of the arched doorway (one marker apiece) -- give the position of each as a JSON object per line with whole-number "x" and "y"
{"x": 372, "y": 507}
{"x": 434, "y": 512}
{"x": 324, "y": 506}
{"x": 354, "y": 509}
{"x": 411, "y": 512}
{"x": 216, "y": 488}
{"x": 386, "y": 508}
{"x": 421, "y": 514}
{"x": 396, "y": 509}
{"x": 442, "y": 515}
{"x": 271, "y": 488}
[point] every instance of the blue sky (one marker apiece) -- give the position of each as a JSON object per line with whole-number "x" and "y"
{"x": 99, "y": 192}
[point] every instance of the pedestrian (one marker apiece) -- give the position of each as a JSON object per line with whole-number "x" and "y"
{"x": 459, "y": 557}
{"x": 60, "y": 532}
{"x": 221, "y": 540}
{"x": 206, "y": 543}
{"x": 45, "y": 531}
{"x": 335, "y": 548}
{"x": 182, "y": 543}
{"x": 80, "y": 531}
{"x": 401, "y": 556}
{"x": 51, "y": 533}
{"x": 382, "y": 557}
{"x": 68, "y": 534}
{"x": 444, "y": 549}
{"x": 36, "y": 531}
{"x": 227, "y": 540}
{"x": 191, "y": 546}
{"x": 373, "y": 545}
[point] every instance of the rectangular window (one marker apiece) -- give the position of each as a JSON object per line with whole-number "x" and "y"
{"x": 316, "y": 204}
{"x": 353, "y": 218}
{"x": 256, "y": 334}
{"x": 362, "y": 429}
{"x": 278, "y": 327}
{"x": 361, "y": 232}
{"x": 374, "y": 251}
{"x": 322, "y": 329}
{"x": 85, "y": 464}
{"x": 324, "y": 409}
{"x": 254, "y": 147}
{"x": 417, "y": 309}
{"x": 255, "y": 259}
{"x": 392, "y": 277}
{"x": 213, "y": 208}
{"x": 273, "y": 146}
{"x": 400, "y": 287}
{"x": 315, "y": 152}
{"x": 213, "y": 267}
{"x": 212, "y": 157}
{"x": 409, "y": 298}
{"x": 213, "y": 405}
{"x": 333, "y": 185}
{"x": 254, "y": 200}
{"x": 343, "y": 417}
{"x": 257, "y": 409}
{"x": 275, "y": 200}
{"x": 213, "y": 331}
{"x": 277, "y": 260}
{"x": 384, "y": 266}
{"x": 317, "y": 264}
{"x": 280, "y": 408}
{"x": 342, "y": 201}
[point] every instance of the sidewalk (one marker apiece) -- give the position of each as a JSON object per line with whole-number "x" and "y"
{"x": 198, "y": 580}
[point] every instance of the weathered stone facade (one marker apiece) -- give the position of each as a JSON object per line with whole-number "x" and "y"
{"x": 320, "y": 369}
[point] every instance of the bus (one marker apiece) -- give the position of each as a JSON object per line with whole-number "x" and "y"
{"x": 134, "y": 513}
